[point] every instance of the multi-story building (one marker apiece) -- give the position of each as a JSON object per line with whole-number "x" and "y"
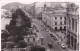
{"x": 64, "y": 19}
{"x": 73, "y": 25}
{"x": 54, "y": 17}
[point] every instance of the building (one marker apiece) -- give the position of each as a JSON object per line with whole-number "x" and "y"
{"x": 31, "y": 39}
{"x": 55, "y": 17}
{"x": 59, "y": 18}
{"x": 5, "y": 13}
{"x": 73, "y": 25}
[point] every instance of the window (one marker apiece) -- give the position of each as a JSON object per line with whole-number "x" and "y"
{"x": 64, "y": 28}
{"x": 65, "y": 18}
{"x": 60, "y": 18}
{"x": 55, "y": 23}
{"x": 60, "y": 23}
{"x": 55, "y": 17}
{"x": 60, "y": 28}
{"x": 64, "y": 22}
{"x": 55, "y": 28}
{"x": 72, "y": 24}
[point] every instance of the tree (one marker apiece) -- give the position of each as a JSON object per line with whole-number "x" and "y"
{"x": 21, "y": 30}
{"x": 13, "y": 22}
{"x": 4, "y": 35}
{"x": 37, "y": 48}
{"x": 26, "y": 19}
{"x": 22, "y": 44}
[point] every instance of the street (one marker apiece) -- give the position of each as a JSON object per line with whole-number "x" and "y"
{"x": 47, "y": 37}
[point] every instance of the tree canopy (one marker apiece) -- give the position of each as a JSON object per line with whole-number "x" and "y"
{"x": 37, "y": 48}
{"x": 21, "y": 30}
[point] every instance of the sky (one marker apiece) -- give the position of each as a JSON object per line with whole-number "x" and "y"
{"x": 21, "y": 1}
{"x": 3, "y": 2}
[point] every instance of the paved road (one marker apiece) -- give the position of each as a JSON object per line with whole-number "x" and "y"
{"x": 47, "y": 37}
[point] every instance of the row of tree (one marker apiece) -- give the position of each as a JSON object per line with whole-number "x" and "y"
{"x": 16, "y": 33}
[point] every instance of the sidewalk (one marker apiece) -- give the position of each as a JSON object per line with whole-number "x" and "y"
{"x": 72, "y": 50}
{"x": 62, "y": 36}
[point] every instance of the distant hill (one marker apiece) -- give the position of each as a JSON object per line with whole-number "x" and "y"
{"x": 13, "y": 5}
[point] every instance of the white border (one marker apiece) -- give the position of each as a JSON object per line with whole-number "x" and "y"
{"x": 3, "y": 2}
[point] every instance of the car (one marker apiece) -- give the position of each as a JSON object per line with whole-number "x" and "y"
{"x": 50, "y": 45}
{"x": 37, "y": 30}
{"x": 54, "y": 38}
{"x": 63, "y": 46}
{"x": 59, "y": 43}
{"x": 51, "y": 35}
{"x": 49, "y": 32}
{"x": 41, "y": 38}
{"x": 44, "y": 28}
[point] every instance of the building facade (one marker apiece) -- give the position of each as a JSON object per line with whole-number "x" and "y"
{"x": 54, "y": 18}
{"x": 31, "y": 39}
{"x": 73, "y": 25}
{"x": 64, "y": 19}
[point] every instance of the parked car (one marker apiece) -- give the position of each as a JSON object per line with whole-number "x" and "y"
{"x": 53, "y": 36}
{"x": 63, "y": 46}
{"x": 59, "y": 43}
{"x": 37, "y": 30}
{"x": 41, "y": 38}
{"x": 44, "y": 28}
{"x": 50, "y": 45}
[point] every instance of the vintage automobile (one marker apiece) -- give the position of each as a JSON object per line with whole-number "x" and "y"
{"x": 53, "y": 36}
{"x": 63, "y": 46}
{"x": 50, "y": 45}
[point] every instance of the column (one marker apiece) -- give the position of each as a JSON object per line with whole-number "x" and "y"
{"x": 73, "y": 42}
{"x": 70, "y": 41}
{"x": 71, "y": 24}
{"x": 74, "y": 25}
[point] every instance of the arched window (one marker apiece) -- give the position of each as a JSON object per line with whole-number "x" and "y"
{"x": 55, "y": 28}
{"x": 64, "y": 28}
{"x": 60, "y": 28}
